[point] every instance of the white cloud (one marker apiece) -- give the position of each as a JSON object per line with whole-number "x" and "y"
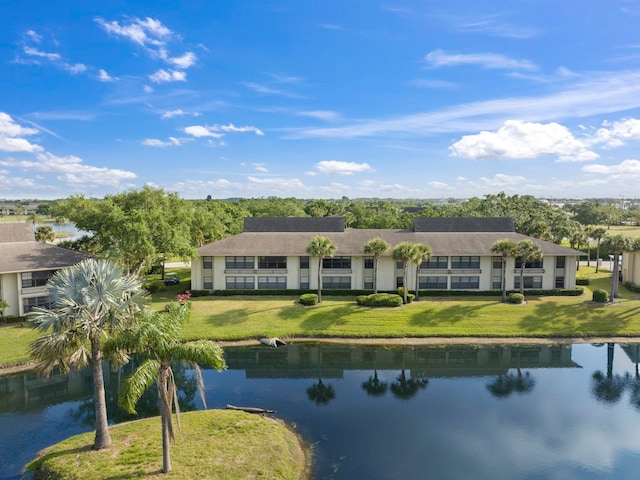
{"x": 627, "y": 167}
{"x": 173, "y": 113}
{"x": 214, "y": 130}
{"x": 260, "y": 167}
{"x": 103, "y": 76}
{"x": 154, "y": 142}
{"x": 320, "y": 114}
{"x": 517, "y": 139}
{"x": 70, "y": 169}
{"x": 76, "y": 68}
{"x": 143, "y": 32}
{"x": 602, "y": 93}
{"x": 11, "y": 133}
{"x": 277, "y": 184}
{"x": 34, "y": 52}
{"x": 201, "y": 131}
{"x": 162, "y": 76}
{"x": 335, "y": 167}
{"x": 439, "y": 58}
{"x": 147, "y": 89}
{"x": 33, "y": 36}
{"x": 614, "y": 134}
{"x": 185, "y": 61}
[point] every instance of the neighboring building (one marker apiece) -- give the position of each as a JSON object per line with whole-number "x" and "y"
{"x": 630, "y": 269}
{"x": 271, "y": 254}
{"x": 26, "y": 265}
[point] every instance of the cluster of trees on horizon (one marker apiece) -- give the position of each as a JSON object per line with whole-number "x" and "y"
{"x": 146, "y": 227}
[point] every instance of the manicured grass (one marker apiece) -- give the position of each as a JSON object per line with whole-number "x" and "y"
{"x": 221, "y": 444}
{"x": 238, "y": 318}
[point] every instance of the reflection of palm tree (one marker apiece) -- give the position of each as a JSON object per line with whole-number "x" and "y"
{"x": 505, "y": 385}
{"x": 405, "y": 388}
{"x": 320, "y": 393}
{"x": 634, "y": 382}
{"x": 374, "y": 386}
{"x": 608, "y": 388}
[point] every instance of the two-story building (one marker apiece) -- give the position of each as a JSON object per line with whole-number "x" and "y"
{"x": 27, "y": 265}
{"x": 271, "y": 254}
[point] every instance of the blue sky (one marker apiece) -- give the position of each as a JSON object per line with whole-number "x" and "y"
{"x": 396, "y": 99}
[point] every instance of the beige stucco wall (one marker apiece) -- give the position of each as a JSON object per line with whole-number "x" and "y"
{"x": 9, "y": 291}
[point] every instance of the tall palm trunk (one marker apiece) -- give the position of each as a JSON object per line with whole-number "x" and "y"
{"x": 103, "y": 438}
{"x": 615, "y": 277}
{"x": 319, "y": 279}
{"x": 504, "y": 278}
{"x": 165, "y": 417}
{"x": 375, "y": 274}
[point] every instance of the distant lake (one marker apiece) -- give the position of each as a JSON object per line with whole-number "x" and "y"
{"x": 70, "y": 229}
{"x": 396, "y": 412}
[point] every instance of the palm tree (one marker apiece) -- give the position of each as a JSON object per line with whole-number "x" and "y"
{"x": 526, "y": 251}
{"x": 506, "y": 248}
{"x": 89, "y": 301}
{"x": 404, "y": 252}
{"x": 421, "y": 252}
{"x": 376, "y": 247}
{"x": 155, "y": 337}
{"x": 321, "y": 247}
{"x": 598, "y": 234}
{"x": 616, "y": 245}
{"x": 578, "y": 238}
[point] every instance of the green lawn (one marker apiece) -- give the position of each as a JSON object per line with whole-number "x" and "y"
{"x": 214, "y": 444}
{"x": 236, "y": 318}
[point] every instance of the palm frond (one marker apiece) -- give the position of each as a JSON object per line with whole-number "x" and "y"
{"x": 202, "y": 352}
{"x": 134, "y": 386}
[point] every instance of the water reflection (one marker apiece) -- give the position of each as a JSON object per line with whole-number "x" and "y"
{"x": 499, "y": 412}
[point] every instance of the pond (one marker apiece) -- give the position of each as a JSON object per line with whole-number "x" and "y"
{"x": 401, "y": 412}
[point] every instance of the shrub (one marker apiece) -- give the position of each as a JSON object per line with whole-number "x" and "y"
{"x": 582, "y": 281}
{"x": 516, "y": 298}
{"x": 12, "y": 319}
{"x": 600, "y": 295}
{"x": 632, "y": 287}
{"x": 410, "y": 296}
{"x": 155, "y": 286}
{"x": 379, "y": 300}
{"x": 308, "y": 299}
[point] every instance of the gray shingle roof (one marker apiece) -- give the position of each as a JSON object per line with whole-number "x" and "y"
{"x": 463, "y": 224}
{"x": 19, "y": 252}
{"x": 351, "y": 242}
{"x": 16, "y": 232}
{"x": 293, "y": 224}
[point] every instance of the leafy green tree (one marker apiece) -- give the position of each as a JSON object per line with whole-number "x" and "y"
{"x": 3, "y": 305}
{"x": 616, "y": 245}
{"x": 421, "y": 252}
{"x": 137, "y": 228}
{"x": 376, "y": 247}
{"x": 90, "y": 301}
{"x": 505, "y": 248}
{"x": 590, "y": 212}
{"x": 155, "y": 337}
{"x": 44, "y": 233}
{"x": 321, "y": 247}
{"x": 526, "y": 251}
{"x": 404, "y": 252}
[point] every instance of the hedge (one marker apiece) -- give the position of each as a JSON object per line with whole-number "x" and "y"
{"x": 308, "y": 299}
{"x": 600, "y": 295}
{"x": 379, "y": 300}
{"x": 12, "y": 319}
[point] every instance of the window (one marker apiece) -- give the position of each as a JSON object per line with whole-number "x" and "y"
{"x": 245, "y": 263}
{"x": 272, "y": 283}
{"x": 368, "y": 283}
{"x": 532, "y": 264}
{"x": 207, "y": 283}
{"x": 29, "y": 303}
{"x": 433, "y": 283}
{"x": 560, "y": 262}
{"x": 529, "y": 282}
{"x": 496, "y": 262}
{"x": 36, "y": 279}
{"x": 240, "y": 283}
{"x": 304, "y": 263}
{"x": 465, "y": 262}
{"x": 207, "y": 263}
{"x": 304, "y": 282}
{"x": 559, "y": 282}
{"x": 272, "y": 262}
{"x": 436, "y": 262}
{"x": 368, "y": 262}
{"x": 465, "y": 283}
{"x": 342, "y": 283}
{"x": 336, "y": 263}
{"x": 496, "y": 283}
{"x": 399, "y": 282}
